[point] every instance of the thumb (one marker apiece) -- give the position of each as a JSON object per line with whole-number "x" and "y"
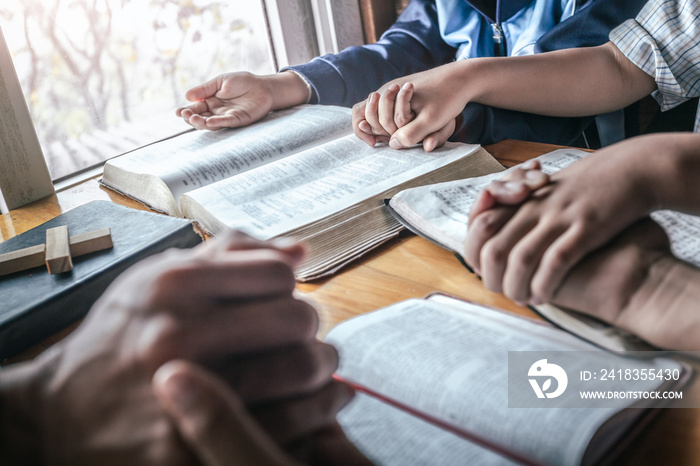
{"x": 206, "y": 90}
{"x": 211, "y": 419}
{"x": 236, "y": 240}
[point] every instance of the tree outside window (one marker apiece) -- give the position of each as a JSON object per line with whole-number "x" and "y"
{"x": 102, "y": 77}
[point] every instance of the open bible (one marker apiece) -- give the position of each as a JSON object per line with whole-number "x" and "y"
{"x": 440, "y": 213}
{"x": 444, "y": 381}
{"x": 298, "y": 173}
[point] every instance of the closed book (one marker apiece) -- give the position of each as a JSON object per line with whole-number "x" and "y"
{"x": 35, "y": 305}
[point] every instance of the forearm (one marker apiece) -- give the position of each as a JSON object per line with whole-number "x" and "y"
{"x": 571, "y": 82}
{"x": 481, "y": 124}
{"x": 349, "y": 76}
{"x": 664, "y": 310}
{"x": 674, "y": 170}
{"x": 288, "y": 89}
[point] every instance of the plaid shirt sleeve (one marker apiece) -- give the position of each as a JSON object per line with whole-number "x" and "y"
{"x": 664, "y": 41}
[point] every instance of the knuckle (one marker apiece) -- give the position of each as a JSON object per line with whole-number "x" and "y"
{"x": 316, "y": 365}
{"x": 541, "y": 288}
{"x": 411, "y": 136}
{"x": 175, "y": 278}
{"x": 557, "y": 258}
{"x": 161, "y": 340}
{"x": 305, "y": 319}
{"x": 402, "y": 119}
{"x": 521, "y": 258}
{"x": 494, "y": 253}
{"x": 278, "y": 270}
{"x": 487, "y": 223}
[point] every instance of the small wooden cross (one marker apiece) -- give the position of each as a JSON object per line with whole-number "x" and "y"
{"x": 58, "y": 251}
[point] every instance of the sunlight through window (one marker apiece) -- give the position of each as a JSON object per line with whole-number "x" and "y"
{"x": 104, "y": 77}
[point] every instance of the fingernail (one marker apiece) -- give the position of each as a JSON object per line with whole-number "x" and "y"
{"x": 394, "y": 87}
{"x": 284, "y": 243}
{"x": 529, "y": 165}
{"x": 406, "y": 86}
{"x": 513, "y": 186}
{"x": 373, "y": 97}
{"x": 535, "y": 178}
{"x": 430, "y": 145}
{"x": 536, "y": 301}
{"x": 395, "y": 144}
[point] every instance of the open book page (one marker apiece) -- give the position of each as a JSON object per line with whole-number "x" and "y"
{"x": 449, "y": 360}
{"x": 298, "y": 190}
{"x": 345, "y": 235}
{"x": 684, "y": 232}
{"x": 372, "y": 425}
{"x": 24, "y": 176}
{"x": 199, "y": 158}
{"x": 441, "y": 211}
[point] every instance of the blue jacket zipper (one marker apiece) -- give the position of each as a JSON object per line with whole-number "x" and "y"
{"x": 500, "y": 47}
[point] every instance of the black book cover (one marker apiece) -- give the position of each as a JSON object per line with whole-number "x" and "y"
{"x": 35, "y": 305}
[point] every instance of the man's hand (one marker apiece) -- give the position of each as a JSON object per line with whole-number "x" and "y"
{"x": 227, "y": 304}
{"x": 606, "y": 282}
{"x": 238, "y": 99}
{"x": 511, "y": 189}
{"x": 526, "y": 251}
{"x": 211, "y": 419}
{"x": 636, "y": 283}
{"x": 215, "y": 424}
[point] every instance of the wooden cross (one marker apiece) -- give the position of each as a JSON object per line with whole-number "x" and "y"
{"x": 58, "y": 251}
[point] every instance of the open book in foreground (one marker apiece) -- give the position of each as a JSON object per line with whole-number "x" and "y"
{"x": 443, "y": 381}
{"x": 299, "y": 173}
{"x": 440, "y": 213}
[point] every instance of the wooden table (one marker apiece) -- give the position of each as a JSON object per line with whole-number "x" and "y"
{"x": 403, "y": 268}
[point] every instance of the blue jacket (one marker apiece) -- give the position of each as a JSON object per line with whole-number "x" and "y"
{"x": 416, "y": 43}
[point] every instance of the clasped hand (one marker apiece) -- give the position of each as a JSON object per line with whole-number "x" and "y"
{"x": 527, "y": 226}
{"x": 119, "y": 389}
{"x": 422, "y": 107}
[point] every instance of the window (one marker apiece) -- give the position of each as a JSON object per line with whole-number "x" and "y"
{"x": 103, "y": 77}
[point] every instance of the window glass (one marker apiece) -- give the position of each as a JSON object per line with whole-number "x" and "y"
{"x": 102, "y": 77}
